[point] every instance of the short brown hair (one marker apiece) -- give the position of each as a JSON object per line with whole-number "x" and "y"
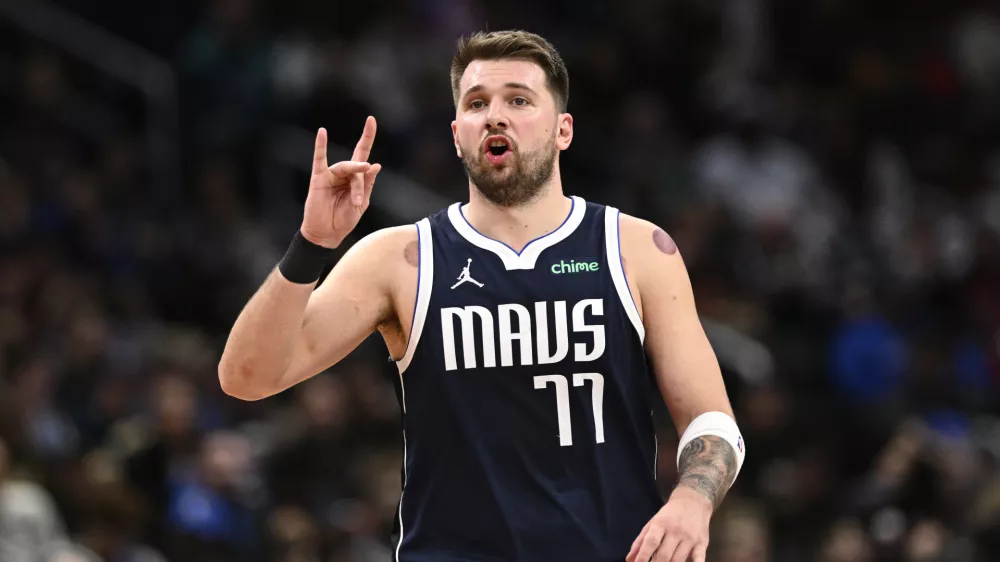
{"x": 512, "y": 44}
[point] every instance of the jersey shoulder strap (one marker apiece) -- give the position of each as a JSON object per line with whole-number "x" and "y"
{"x": 612, "y": 242}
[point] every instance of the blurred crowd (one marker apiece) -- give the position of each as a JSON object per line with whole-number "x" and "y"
{"x": 829, "y": 169}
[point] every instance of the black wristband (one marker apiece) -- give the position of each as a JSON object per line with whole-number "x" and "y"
{"x": 304, "y": 261}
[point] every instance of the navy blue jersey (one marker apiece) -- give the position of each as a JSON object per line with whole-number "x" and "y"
{"x": 526, "y": 398}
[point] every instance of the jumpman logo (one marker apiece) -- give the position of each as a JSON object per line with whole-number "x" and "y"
{"x": 466, "y": 277}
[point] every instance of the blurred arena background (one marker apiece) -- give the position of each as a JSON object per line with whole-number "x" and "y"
{"x": 829, "y": 168}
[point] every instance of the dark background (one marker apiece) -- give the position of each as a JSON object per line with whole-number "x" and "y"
{"x": 830, "y": 170}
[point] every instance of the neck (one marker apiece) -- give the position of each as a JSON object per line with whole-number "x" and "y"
{"x": 516, "y": 226}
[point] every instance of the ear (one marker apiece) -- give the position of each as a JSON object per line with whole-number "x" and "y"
{"x": 454, "y": 136}
{"x": 564, "y": 132}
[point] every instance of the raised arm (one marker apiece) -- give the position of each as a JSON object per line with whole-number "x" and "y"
{"x": 688, "y": 375}
{"x": 287, "y": 332}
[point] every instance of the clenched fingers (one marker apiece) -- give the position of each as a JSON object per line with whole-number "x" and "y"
{"x": 370, "y": 176}
{"x": 361, "y": 185}
{"x": 346, "y": 168}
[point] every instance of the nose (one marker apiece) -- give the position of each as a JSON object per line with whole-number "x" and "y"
{"x": 495, "y": 118}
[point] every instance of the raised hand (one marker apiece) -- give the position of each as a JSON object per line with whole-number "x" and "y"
{"x": 339, "y": 194}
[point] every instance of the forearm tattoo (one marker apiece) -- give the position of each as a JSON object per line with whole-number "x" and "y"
{"x": 708, "y": 466}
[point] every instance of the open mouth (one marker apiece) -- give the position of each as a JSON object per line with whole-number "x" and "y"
{"x": 497, "y": 149}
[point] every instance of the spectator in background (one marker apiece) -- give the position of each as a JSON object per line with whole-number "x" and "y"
{"x": 29, "y": 518}
{"x": 867, "y": 354}
{"x": 847, "y": 542}
{"x": 163, "y": 446}
{"x": 976, "y": 49}
{"x": 293, "y": 536}
{"x": 111, "y": 520}
{"x": 772, "y": 188}
{"x": 213, "y": 510}
{"x": 311, "y": 470}
{"x": 741, "y": 534}
{"x": 51, "y": 434}
{"x": 225, "y": 65}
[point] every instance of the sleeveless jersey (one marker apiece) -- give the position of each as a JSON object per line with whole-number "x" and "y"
{"x": 526, "y": 398}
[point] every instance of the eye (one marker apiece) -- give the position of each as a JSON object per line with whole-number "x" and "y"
{"x": 520, "y": 101}
{"x": 477, "y": 104}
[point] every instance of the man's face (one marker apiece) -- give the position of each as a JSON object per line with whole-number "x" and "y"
{"x": 507, "y": 129}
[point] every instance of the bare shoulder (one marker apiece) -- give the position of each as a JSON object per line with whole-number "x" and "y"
{"x": 375, "y": 279}
{"x": 641, "y": 238}
{"x": 374, "y": 264}
{"x": 384, "y": 243}
{"x": 381, "y": 254}
{"x": 650, "y": 255}
{"x": 395, "y": 254}
{"x": 398, "y": 255}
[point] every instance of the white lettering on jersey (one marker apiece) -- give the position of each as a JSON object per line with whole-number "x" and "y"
{"x": 466, "y": 315}
{"x": 580, "y": 325}
{"x": 469, "y": 315}
{"x": 542, "y": 333}
{"x": 507, "y": 337}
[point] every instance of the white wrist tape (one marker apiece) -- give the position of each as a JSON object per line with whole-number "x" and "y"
{"x": 720, "y": 425}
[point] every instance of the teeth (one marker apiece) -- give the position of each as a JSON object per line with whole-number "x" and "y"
{"x": 498, "y": 143}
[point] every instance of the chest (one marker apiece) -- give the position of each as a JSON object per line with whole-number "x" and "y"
{"x": 486, "y": 315}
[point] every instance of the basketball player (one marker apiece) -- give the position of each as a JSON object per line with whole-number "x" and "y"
{"x": 531, "y": 331}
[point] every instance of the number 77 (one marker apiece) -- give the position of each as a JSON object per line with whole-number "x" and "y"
{"x": 562, "y": 403}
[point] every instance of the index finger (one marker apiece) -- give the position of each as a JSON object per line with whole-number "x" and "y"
{"x": 650, "y": 545}
{"x": 635, "y": 545}
{"x": 364, "y": 147}
{"x": 319, "y": 154}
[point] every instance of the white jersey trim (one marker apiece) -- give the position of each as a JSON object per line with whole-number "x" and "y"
{"x": 402, "y": 532}
{"x": 529, "y": 254}
{"x": 613, "y": 243}
{"x": 425, "y": 280}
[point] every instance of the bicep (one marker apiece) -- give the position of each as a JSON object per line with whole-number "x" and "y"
{"x": 687, "y": 370}
{"x": 342, "y": 312}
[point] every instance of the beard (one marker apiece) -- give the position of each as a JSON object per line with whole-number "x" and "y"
{"x": 518, "y": 181}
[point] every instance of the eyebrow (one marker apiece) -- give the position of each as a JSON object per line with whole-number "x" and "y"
{"x": 513, "y": 85}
